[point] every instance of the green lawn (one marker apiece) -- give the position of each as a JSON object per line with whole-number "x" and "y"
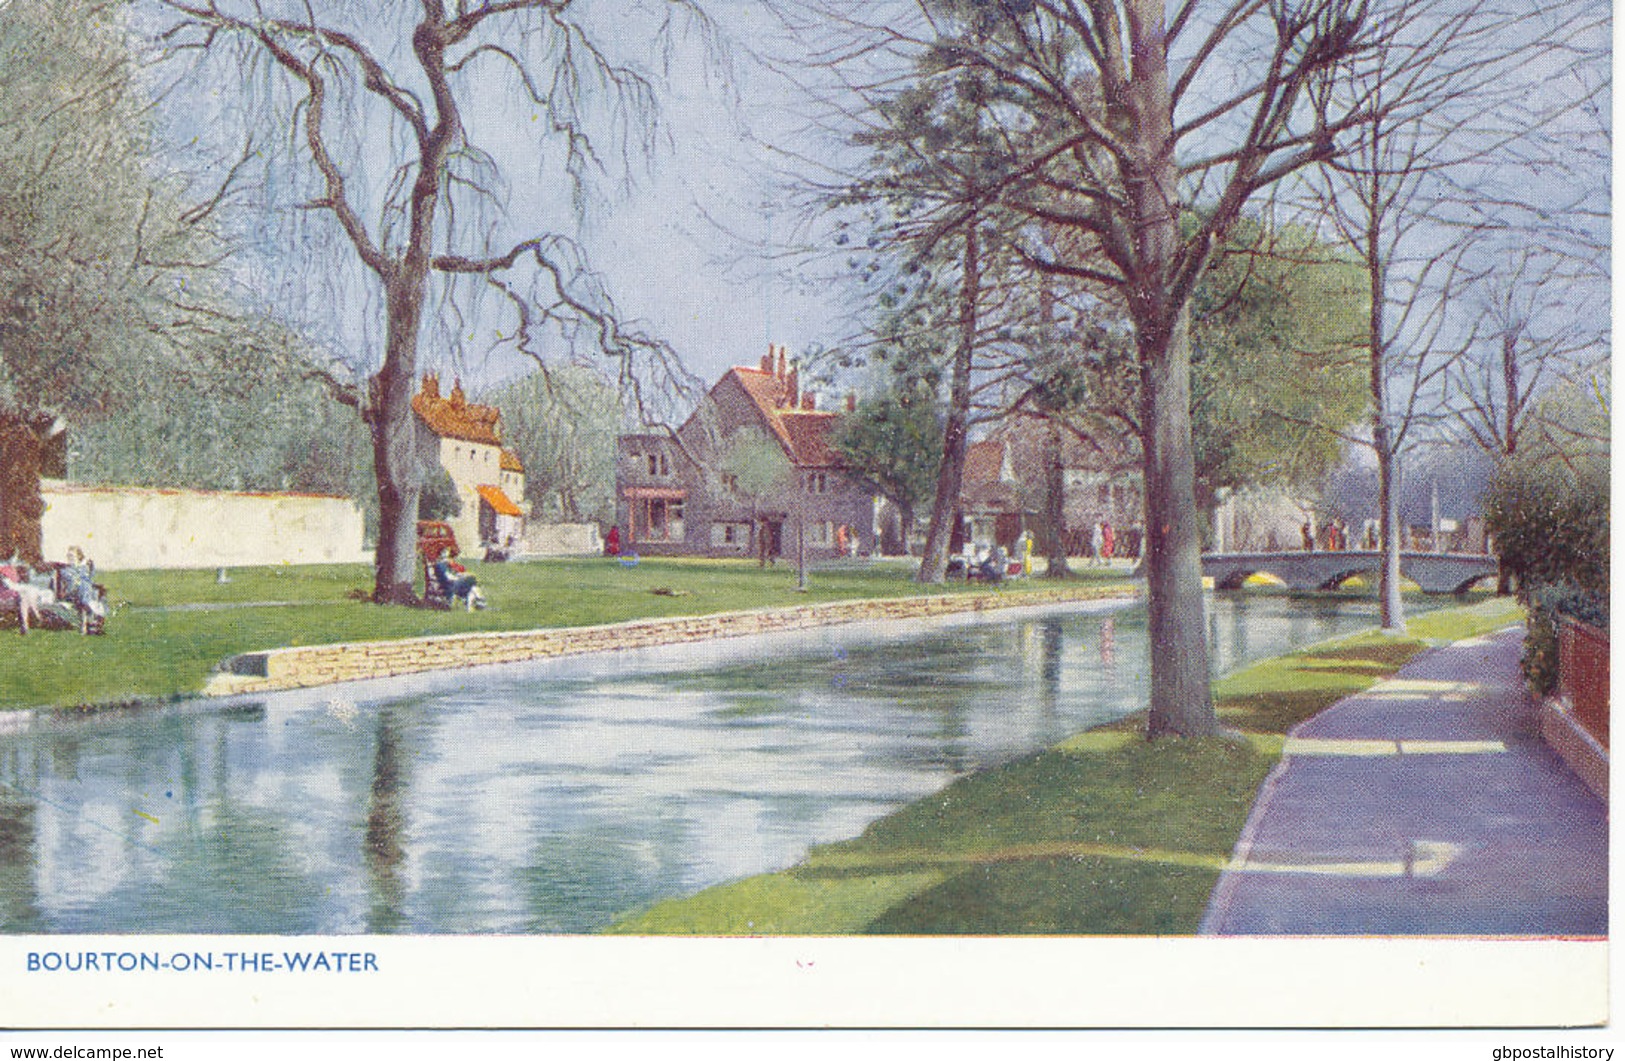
{"x": 1105, "y": 833}
{"x": 170, "y": 628}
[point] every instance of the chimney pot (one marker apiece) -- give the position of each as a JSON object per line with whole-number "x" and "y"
{"x": 851, "y": 401}
{"x": 767, "y": 360}
{"x": 809, "y": 401}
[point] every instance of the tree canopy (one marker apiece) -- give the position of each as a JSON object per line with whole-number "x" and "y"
{"x": 894, "y": 439}
{"x": 1276, "y": 374}
{"x": 562, "y": 422}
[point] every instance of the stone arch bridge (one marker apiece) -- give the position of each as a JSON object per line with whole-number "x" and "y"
{"x": 1433, "y": 572}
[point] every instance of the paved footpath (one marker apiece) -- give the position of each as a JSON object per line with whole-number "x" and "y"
{"x": 1427, "y": 805}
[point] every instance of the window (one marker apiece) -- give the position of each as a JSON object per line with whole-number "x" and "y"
{"x": 821, "y": 533}
{"x": 730, "y": 536}
{"x": 730, "y": 482}
{"x": 658, "y": 520}
{"x": 817, "y": 483}
{"x": 659, "y": 464}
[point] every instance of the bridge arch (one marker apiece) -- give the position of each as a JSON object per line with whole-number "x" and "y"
{"x": 1370, "y": 569}
{"x": 1303, "y": 571}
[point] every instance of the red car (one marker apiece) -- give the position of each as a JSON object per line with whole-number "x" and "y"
{"x": 435, "y": 538}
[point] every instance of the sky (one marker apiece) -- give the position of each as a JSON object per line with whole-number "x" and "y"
{"x": 703, "y": 243}
{"x": 681, "y": 236}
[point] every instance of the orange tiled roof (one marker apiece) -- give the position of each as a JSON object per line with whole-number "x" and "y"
{"x": 766, "y": 391}
{"x": 805, "y": 434}
{"x": 811, "y": 437}
{"x": 510, "y": 461}
{"x": 498, "y": 500}
{"x": 454, "y": 416}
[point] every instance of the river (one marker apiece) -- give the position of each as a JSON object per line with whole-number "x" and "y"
{"x": 544, "y": 798}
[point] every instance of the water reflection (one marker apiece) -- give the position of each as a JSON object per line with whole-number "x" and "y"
{"x": 385, "y": 848}
{"x": 551, "y": 798}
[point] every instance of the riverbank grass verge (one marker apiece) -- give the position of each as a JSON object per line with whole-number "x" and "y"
{"x": 170, "y": 629}
{"x": 1102, "y": 834}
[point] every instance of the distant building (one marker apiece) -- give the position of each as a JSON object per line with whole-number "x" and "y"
{"x": 490, "y": 480}
{"x": 675, "y": 494}
{"x": 1004, "y": 486}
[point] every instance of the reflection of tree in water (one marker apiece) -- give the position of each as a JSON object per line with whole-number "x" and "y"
{"x": 384, "y": 850}
{"x": 1049, "y": 635}
{"x": 18, "y": 912}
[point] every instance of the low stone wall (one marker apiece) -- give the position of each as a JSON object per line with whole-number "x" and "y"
{"x": 1579, "y": 749}
{"x": 304, "y": 666}
{"x": 135, "y": 527}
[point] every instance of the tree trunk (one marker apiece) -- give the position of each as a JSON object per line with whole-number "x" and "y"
{"x": 21, "y": 504}
{"x": 395, "y": 453}
{"x": 955, "y": 436}
{"x": 1055, "y": 504}
{"x": 1171, "y": 556}
{"x": 1181, "y": 700}
{"x": 1390, "y": 606}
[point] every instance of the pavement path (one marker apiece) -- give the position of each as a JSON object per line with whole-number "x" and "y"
{"x": 1426, "y": 805}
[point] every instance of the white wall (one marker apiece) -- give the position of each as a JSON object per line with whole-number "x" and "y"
{"x": 561, "y": 539}
{"x": 133, "y": 527}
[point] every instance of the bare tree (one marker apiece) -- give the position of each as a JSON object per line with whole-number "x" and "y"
{"x": 1538, "y": 327}
{"x": 1398, "y": 197}
{"x": 400, "y": 114}
{"x": 1115, "y": 116}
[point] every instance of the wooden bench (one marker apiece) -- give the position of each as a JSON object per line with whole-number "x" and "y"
{"x": 434, "y": 589}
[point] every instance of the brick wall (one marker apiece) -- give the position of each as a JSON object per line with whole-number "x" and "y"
{"x": 293, "y": 668}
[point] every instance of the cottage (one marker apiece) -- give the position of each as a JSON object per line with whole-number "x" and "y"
{"x": 750, "y": 473}
{"x": 466, "y": 439}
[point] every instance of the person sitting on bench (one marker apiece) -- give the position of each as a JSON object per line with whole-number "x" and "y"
{"x": 457, "y": 583}
{"x": 76, "y": 587}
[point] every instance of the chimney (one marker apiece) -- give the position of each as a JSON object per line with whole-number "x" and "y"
{"x": 809, "y": 401}
{"x": 767, "y": 360}
{"x": 851, "y": 401}
{"x": 780, "y": 372}
{"x": 457, "y": 396}
{"x": 792, "y": 389}
{"x": 431, "y": 385}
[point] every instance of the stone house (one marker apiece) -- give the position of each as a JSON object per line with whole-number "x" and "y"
{"x": 466, "y": 439}
{"x": 684, "y": 492}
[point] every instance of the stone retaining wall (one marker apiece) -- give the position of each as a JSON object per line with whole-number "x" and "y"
{"x": 295, "y": 668}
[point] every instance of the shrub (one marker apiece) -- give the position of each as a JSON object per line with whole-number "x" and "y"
{"x": 1551, "y": 526}
{"x": 1550, "y": 522}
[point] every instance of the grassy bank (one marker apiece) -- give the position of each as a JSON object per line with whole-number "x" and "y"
{"x": 1104, "y": 833}
{"x": 170, "y": 628}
